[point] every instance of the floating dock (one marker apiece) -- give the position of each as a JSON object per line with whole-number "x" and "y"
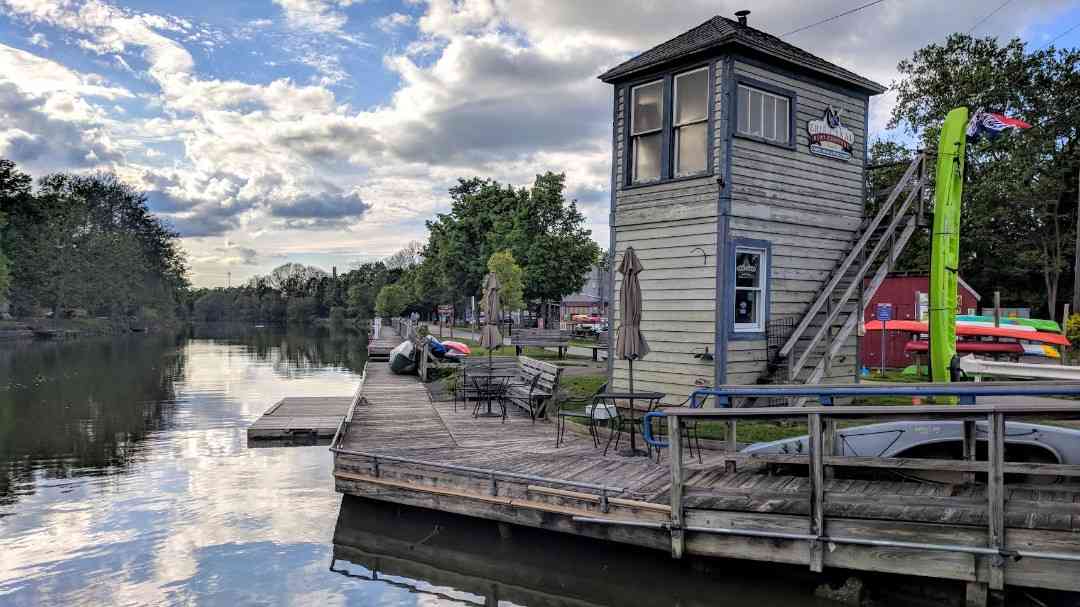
{"x": 397, "y": 445}
{"x": 300, "y": 420}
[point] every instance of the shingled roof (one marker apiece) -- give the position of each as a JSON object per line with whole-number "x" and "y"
{"x": 720, "y": 31}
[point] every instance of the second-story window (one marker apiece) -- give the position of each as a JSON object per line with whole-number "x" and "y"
{"x": 763, "y": 114}
{"x": 691, "y": 121}
{"x": 647, "y": 130}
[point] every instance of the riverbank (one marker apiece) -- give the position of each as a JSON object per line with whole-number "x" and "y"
{"x": 78, "y": 327}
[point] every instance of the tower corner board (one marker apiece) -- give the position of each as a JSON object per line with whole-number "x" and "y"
{"x": 737, "y": 177}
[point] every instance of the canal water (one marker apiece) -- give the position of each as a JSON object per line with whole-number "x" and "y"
{"x": 126, "y": 479}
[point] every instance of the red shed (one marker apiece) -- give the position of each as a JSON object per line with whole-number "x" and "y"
{"x": 905, "y": 292}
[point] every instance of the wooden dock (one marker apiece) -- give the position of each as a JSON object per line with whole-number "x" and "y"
{"x": 300, "y": 420}
{"x": 379, "y": 349}
{"x": 397, "y": 445}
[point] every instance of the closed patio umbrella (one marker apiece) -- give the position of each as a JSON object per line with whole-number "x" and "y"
{"x": 490, "y": 337}
{"x": 630, "y": 343}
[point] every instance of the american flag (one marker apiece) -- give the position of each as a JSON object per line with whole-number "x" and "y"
{"x": 990, "y": 125}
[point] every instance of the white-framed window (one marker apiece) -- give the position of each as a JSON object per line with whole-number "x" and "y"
{"x": 751, "y": 290}
{"x": 763, "y": 114}
{"x": 647, "y": 130}
{"x": 691, "y": 122}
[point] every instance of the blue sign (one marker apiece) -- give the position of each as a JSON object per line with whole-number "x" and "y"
{"x": 884, "y": 311}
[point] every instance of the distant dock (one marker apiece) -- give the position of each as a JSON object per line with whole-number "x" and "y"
{"x": 396, "y": 445}
{"x": 379, "y": 347}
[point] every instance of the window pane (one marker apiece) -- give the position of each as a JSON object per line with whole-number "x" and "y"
{"x": 647, "y": 157}
{"x": 744, "y": 109}
{"x": 746, "y": 307}
{"x": 690, "y": 142}
{"x": 647, "y": 107}
{"x": 782, "y": 119}
{"x": 691, "y": 96}
{"x": 755, "y": 113}
{"x": 770, "y": 117}
{"x": 747, "y": 269}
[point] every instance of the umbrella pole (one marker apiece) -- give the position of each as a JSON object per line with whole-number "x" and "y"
{"x": 633, "y": 443}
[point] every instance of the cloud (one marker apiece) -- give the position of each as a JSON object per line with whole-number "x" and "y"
{"x": 30, "y": 133}
{"x": 393, "y": 22}
{"x": 322, "y": 16}
{"x": 230, "y": 255}
{"x": 322, "y": 209}
{"x": 39, "y": 39}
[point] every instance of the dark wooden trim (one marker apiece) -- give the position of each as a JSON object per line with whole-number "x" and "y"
{"x": 793, "y": 105}
{"x": 723, "y": 227}
{"x": 729, "y": 286}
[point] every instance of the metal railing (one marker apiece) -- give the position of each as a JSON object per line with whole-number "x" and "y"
{"x": 819, "y": 454}
{"x": 900, "y": 222}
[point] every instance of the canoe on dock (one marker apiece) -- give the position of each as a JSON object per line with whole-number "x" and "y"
{"x": 399, "y": 446}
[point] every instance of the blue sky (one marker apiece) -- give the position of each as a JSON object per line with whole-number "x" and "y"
{"x": 328, "y": 131}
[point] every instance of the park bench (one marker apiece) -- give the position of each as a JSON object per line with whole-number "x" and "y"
{"x": 542, "y": 338}
{"x": 538, "y": 383}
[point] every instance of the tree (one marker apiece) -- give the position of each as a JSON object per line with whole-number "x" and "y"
{"x": 511, "y": 288}
{"x": 391, "y": 300}
{"x": 550, "y": 241}
{"x": 409, "y": 256}
{"x": 5, "y": 272}
{"x": 1019, "y": 211}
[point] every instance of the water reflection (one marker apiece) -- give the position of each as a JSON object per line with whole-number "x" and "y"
{"x": 295, "y": 349}
{"x": 71, "y": 408}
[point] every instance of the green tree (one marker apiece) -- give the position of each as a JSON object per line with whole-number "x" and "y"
{"x": 5, "y": 272}
{"x": 509, "y": 273}
{"x": 1019, "y": 209}
{"x": 391, "y": 300}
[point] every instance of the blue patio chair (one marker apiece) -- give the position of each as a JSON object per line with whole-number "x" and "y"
{"x": 689, "y": 431}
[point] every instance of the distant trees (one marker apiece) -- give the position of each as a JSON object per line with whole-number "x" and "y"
{"x": 5, "y": 272}
{"x": 87, "y": 241}
{"x": 392, "y": 300}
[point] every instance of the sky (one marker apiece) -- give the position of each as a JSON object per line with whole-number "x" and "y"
{"x": 327, "y": 131}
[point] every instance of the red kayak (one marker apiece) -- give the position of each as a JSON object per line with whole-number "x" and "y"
{"x": 458, "y": 346}
{"x": 915, "y": 326}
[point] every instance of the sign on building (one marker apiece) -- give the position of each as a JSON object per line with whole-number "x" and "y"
{"x": 829, "y": 137}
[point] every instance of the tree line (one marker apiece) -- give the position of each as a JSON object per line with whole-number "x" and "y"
{"x": 85, "y": 244}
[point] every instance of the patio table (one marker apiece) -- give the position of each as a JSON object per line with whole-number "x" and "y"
{"x": 653, "y": 398}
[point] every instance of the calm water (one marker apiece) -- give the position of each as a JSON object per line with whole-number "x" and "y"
{"x": 125, "y": 479}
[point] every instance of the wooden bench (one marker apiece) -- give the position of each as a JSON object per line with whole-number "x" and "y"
{"x": 537, "y": 385}
{"x": 542, "y": 338}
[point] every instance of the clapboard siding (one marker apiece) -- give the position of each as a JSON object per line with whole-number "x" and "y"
{"x": 810, "y": 208}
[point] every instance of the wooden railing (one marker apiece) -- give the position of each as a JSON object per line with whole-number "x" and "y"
{"x": 820, "y": 454}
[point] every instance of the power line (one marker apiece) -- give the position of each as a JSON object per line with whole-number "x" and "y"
{"x": 1061, "y": 35}
{"x": 833, "y": 18}
{"x": 990, "y": 14}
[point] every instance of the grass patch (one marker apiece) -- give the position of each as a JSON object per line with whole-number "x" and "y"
{"x": 530, "y": 351}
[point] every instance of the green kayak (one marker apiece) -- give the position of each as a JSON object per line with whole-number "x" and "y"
{"x": 1039, "y": 324}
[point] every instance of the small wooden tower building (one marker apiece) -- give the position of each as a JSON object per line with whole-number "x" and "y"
{"x": 738, "y": 177}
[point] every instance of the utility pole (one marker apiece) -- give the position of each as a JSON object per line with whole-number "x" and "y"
{"x": 1076, "y": 256}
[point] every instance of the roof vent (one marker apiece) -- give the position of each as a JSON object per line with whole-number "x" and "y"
{"x": 742, "y": 15}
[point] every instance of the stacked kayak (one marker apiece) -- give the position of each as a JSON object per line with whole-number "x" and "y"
{"x": 1021, "y": 339}
{"x": 402, "y": 361}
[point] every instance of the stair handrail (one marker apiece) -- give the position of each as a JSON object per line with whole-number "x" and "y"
{"x": 842, "y": 269}
{"x": 835, "y": 311}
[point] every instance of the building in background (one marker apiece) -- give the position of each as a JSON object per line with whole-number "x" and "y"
{"x": 591, "y": 300}
{"x": 909, "y": 296}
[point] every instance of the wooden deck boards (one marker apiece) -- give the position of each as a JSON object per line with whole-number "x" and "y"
{"x": 395, "y": 417}
{"x": 379, "y": 349}
{"x": 309, "y": 416}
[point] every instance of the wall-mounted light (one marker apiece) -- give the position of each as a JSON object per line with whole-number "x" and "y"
{"x": 704, "y": 255}
{"x": 706, "y": 355}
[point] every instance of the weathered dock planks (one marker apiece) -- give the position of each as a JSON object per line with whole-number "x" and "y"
{"x": 379, "y": 349}
{"x": 397, "y": 445}
{"x": 307, "y": 420}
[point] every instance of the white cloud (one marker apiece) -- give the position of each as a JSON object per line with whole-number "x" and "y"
{"x": 323, "y": 16}
{"x": 393, "y": 22}
{"x": 39, "y": 39}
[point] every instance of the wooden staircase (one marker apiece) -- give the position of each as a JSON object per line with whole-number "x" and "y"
{"x": 820, "y": 337}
